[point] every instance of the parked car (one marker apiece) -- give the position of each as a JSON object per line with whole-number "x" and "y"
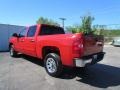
{"x": 116, "y": 41}
{"x": 57, "y": 49}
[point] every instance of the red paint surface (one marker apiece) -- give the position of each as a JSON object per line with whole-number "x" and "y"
{"x": 70, "y": 45}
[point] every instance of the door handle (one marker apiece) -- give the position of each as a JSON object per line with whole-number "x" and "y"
{"x": 32, "y": 40}
{"x": 22, "y": 40}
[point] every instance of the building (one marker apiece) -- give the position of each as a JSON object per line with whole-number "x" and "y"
{"x": 6, "y": 32}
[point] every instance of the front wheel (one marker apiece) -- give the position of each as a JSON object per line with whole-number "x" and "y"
{"x": 53, "y": 64}
{"x": 13, "y": 53}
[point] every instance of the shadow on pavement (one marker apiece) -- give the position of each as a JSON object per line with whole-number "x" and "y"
{"x": 32, "y": 59}
{"x": 98, "y": 75}
{"x": 101, "y": 76}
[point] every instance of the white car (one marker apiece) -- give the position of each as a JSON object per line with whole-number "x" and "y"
{"x": 116, "y": 41}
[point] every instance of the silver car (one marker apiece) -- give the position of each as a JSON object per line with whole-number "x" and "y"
{"x": 116, "y": 41}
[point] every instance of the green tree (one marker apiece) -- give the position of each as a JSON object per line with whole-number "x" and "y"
{"x": 99, "y": 29}
{"x": 86, "y": 26}
{"x": 43, "y": 20}
{"x": 74, "y": 29}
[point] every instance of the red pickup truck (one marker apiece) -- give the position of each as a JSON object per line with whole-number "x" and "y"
{"x": 51, "y": 44}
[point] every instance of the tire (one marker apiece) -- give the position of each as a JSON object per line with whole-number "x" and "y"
{"x": 53, "y": 65}
{"x": 13, "y": 53}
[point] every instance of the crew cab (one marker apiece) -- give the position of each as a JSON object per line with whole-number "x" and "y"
{"x": 57, "y": 49}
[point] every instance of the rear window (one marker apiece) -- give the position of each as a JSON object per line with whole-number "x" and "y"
{"x": 51, "y": 30}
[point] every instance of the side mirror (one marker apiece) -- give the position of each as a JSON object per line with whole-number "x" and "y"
{"x": 15, "y": 35}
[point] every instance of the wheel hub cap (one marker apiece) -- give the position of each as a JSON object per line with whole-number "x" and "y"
{"x": 51, "y": 65}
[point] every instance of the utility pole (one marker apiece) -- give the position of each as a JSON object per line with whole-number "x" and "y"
{"x": 63, "y": 19}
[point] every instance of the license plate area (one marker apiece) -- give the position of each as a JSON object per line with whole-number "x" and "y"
{"x": 95, "y": 57}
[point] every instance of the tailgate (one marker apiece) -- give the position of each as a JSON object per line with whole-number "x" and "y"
{"x": 93, "y": 44}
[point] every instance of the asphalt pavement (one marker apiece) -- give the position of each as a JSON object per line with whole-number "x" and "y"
{"x": 27, "y": 73}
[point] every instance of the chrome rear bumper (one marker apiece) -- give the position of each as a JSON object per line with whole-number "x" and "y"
{"x": 81, "y": 63}
{"x": 88, "y": 60}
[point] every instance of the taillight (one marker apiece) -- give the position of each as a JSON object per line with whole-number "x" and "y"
{"x": 78, "y": 46}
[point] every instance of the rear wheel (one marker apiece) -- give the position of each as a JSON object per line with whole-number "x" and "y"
{"x": 53, "y": 64}
{"x": 13, "y": 53}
